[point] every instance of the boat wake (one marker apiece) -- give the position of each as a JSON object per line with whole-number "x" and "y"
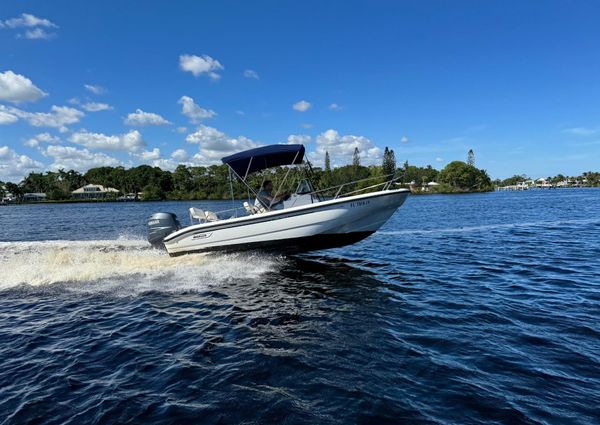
{"x": 122, "y": 265}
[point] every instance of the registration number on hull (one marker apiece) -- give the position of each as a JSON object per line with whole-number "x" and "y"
{"x": 359, "y": 204}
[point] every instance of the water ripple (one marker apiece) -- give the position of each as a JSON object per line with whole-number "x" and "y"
{"x": 466, "y": 309}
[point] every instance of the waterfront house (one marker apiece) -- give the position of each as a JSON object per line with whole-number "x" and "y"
{"x": 34, "y": 197}
{"x": 94, "y": 191}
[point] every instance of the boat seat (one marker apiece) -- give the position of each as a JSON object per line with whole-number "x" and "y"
{"x": 211, "y": 216}
{"x": 198, "y": 214}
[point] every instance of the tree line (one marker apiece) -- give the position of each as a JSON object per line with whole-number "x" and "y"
{"x": 588, "y": 179}
{"x": 213, "y": 182}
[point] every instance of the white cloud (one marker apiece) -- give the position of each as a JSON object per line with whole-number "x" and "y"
{"x": 438, "y": 159}
{"x": 301, "y": 106}
{"x": 96, "y": 106}
{"x": 341, "y": 148}
{"x": 181, "y": 129}
{"x": 150, "y": 155}
{"x": 249, "y": 73}
{"x": 17, "y": 88}
{"x": 404, "y": 139}
{"x": 129, "y": 142}
{"x": 580, "y": 131}
{"x": 200, "y": 65}
{"x": 94, "y": 89}
{"x": 306, "y": 125}
{"x": 7, "y": 118}
{"x": 36, "y": 26}
{"x": 193, "y": 111}
{"x": 301, "y": 139}
{"x": 27, "y": 20}
{"x": 13, "y": 166}
{"x": 35, "y": 141}
{"x": 37, "y": 34}
{"x": 180, "y": 155}
{"x": 70, "y": 158}
{"x": 141, "y": 118}
{"x": 215, "y": 144}
{"x": 335, "y": 107}
{"x": 165, "y": 164}
{"x": 58, "y": 117}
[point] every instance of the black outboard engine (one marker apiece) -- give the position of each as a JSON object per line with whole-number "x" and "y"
{"x": 159, "y": 226}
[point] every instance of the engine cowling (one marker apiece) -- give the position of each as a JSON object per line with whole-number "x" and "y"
{"x": 160, "y": 225}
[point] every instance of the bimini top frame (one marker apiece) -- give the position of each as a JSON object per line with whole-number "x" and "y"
{"x": 247, "y": 162}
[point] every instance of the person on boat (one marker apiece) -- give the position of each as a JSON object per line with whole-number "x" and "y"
{"x": 266, "y": 199}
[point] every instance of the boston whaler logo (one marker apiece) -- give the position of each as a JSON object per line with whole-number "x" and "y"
{"x": 202, "y": 235}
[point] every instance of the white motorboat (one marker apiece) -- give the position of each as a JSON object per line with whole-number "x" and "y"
{"x": 307, "y": 221}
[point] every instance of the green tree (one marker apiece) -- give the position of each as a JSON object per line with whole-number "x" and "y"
{"x": 471, "y": 157}
{"x": 356, "y": 158}
{"x": 389, "y": 162}
{"x": 465, "y": 178}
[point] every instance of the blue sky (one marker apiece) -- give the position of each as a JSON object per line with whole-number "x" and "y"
{"x": 84, "y": 84}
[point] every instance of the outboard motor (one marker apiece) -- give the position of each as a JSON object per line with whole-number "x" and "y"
{"x": 159, "y": 226}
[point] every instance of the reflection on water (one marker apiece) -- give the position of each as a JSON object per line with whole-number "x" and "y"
{"x": 464, "y": 309}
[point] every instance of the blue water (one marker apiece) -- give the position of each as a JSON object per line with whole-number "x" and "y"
{"x": 462, "y": 309}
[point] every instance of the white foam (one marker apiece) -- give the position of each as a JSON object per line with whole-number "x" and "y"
{"x": 123, "y": 264}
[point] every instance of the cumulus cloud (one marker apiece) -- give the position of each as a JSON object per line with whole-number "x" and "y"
{"x": 17, "y": 88}
{"x": 150, "y": 155}
{"x": 201, "y": 65}
{"x": 439, "y": 159}
{"x": 7, "y": 118}
{"x": 404, "y": 139}
{"x": 215, "y": 144}
{"x": 141, "y": 118}
{"x": 37, "y": 34}
{"x": 129, "y": 142}
{"x": 249, "y": 73}
{"x": 35, "y": 141}
{"x": 301, "y": 106}
{"x": 94, "y": 89}
{"x": 13, "y": 166}
{"x": 29, "y": 21}
{"x": 301, "y": 139}
{"x": 194, "y": 112}
{"x": 70, "y": 158}
{"x": 36, "y": 27}
{"x": 335, "y": 107}
{"x": 58, "y": 117}
{"x": 180, "y": 155}
{"x": 96, "y": 106}
{"x": 341, "y": 148}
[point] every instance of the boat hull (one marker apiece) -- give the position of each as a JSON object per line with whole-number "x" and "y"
{"x": 323, "y": 225}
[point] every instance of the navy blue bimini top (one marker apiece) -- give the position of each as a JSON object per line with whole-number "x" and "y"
{"x": 265, "y": 157}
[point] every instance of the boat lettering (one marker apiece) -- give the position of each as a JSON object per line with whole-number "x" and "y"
{"x": 359, "y": 204}
{"x": 202, "y": 235}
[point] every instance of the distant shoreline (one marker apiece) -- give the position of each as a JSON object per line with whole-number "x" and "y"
{"x": 114, "y": 201}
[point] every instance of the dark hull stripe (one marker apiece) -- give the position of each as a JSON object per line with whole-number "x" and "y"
{"x": 290, "y": 246}
{"x": 259, "y": 218}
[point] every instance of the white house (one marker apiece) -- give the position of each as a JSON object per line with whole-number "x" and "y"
{"x": 94, "y": 191}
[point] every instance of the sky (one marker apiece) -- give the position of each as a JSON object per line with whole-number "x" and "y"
{"x": 87, "y": 84}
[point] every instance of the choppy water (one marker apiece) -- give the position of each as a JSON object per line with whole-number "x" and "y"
{"x": 462, "y": 309}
